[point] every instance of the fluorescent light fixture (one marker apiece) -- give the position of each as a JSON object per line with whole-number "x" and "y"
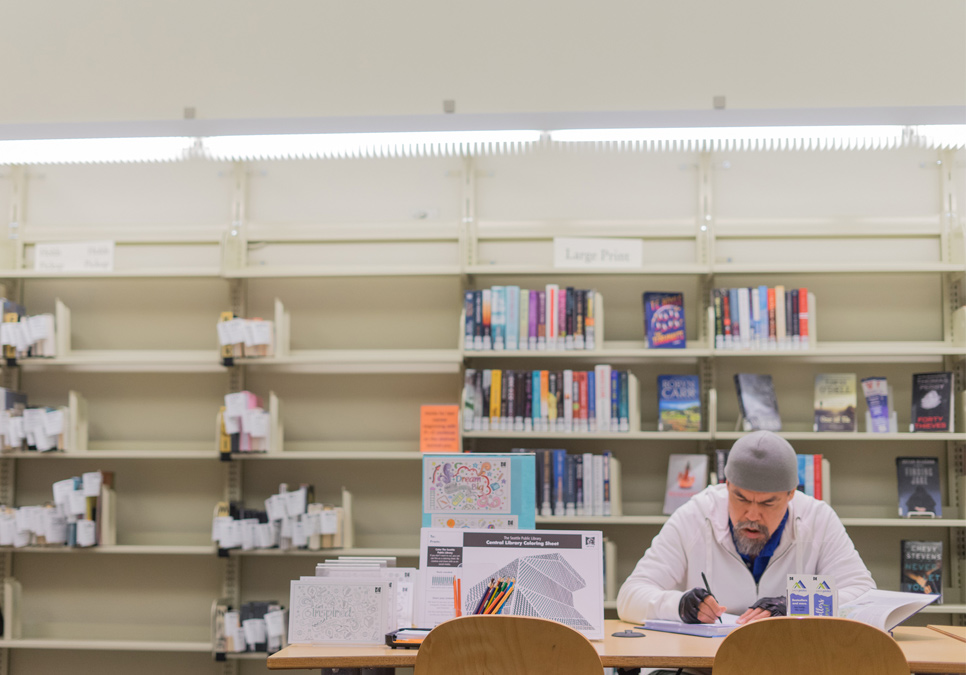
{"x": 741, "y": 138}
{"x": 428, "y": 136}
{"x": 96, "y": 150}
{"x": 942, "y": 135}
{"x": 389, "y": 144}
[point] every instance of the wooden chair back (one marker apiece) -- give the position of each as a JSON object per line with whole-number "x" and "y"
{"x": 506, "y": 645}
{"x": 809, "y": 646}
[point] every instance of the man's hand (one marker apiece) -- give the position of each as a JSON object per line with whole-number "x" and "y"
{"x": 753, "y": 614}
{"x": 710, "y": 610}
{"x": 698, "y": 606}
{"x": 764, "y": 608}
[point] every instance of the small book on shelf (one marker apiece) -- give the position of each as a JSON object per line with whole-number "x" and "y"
{"x": 757, "y": 402}
{"x": 835, "y": 402}
{"x": 679, "y": 403}
{"x": 922, "y": 567}
{"x": 880, "y": 418}
{"x": 932, "y": 402}
{"x": 918, "y": 483}
{"x": 687, "y": 475}
{"x": 664, "y": 320}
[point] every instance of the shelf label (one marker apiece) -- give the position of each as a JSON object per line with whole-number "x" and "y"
{"x": 598, "y": 253}
{"x": 74, "y": 256}
{"x": 439, "y": 428}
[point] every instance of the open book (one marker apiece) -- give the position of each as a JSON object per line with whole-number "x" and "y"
{"x": 885, "y": 609}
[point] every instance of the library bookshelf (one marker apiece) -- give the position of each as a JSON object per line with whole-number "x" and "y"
{"x": 370, "y": 300}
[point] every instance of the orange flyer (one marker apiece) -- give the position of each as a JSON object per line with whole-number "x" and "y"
{"x": 439, "y": 428}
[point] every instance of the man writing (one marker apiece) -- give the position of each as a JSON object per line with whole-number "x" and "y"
{"x": 746, "y": 536}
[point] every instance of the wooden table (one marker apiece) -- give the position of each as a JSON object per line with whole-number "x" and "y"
{"x": 927, "y": 651}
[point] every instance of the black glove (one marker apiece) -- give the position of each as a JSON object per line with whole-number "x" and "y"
{"x": 774, "y": 605}
{"x": 690, "y": 602}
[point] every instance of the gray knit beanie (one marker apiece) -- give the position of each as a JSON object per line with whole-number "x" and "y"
{"x": 762, "y": 462}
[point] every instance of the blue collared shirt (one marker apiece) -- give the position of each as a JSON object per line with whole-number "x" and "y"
{"x": 758, "y": 564}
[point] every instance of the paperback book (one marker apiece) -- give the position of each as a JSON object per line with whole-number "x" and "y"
{"x": 687, "y": 475}
{"x": 757, "y": 402}
{"x": 679, "y": 403}
{"x": 932, "y": 402}
{"x": 879, "y": 403}
{"x": 918, "y": 483}
{"x": 922, "y": 567}
{"x": 835, "y": 402}
{"x": 664, "y": 320}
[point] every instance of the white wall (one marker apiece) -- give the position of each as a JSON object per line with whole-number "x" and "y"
{"x": 140, "y": 60}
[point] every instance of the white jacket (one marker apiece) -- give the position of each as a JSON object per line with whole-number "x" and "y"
{"x": 696, "y": 539}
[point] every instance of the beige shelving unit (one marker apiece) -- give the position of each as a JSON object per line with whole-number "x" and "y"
{"x": 371, "y": 297}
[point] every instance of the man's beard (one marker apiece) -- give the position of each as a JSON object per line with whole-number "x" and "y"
{"x": 746, "y": 545}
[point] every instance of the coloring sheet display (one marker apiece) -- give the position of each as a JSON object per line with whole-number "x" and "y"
{"x": 464, "y": 486}
{"x": 330, "y": 610}
{"x": 555, "y": 574}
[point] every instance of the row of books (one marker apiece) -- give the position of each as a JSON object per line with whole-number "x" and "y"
{"x": 762, "y": 317}
{"x": 510, "y": 318}
{"x": 542, "y": 400}
{"x": 41, "y": 429}
{"x": 240, "y": 337}
{"x": 584, "y": 484}
{"x": 26, "y": 336}
{"x": 836, "y": 402}
{"x": 243, "y": 424}
{"x": 81, "y": 514}
{"x": 258, "y": 626}
{"x": 291, "y": 520}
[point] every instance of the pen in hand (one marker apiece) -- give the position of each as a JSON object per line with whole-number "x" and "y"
{"x": 708, "y": 589}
